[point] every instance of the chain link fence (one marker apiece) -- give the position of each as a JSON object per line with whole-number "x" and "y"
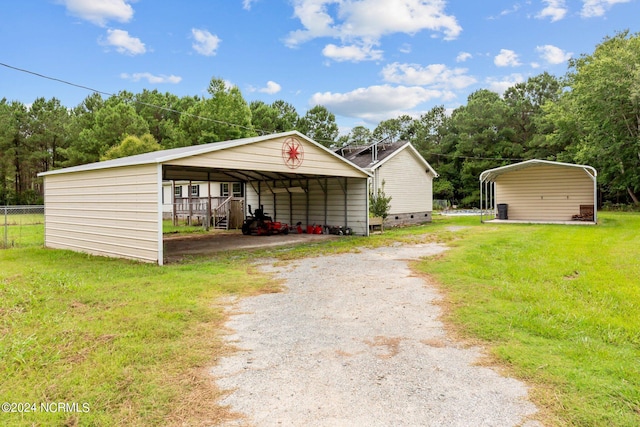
{"x": 21, "y": 226}
{"x": 441, "y": 205}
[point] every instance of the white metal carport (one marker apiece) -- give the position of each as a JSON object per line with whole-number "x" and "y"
{"x": 114, "y": 208}
{"x": 540, "y": 191}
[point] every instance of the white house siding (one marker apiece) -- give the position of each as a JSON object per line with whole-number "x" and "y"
{"x": 111, "y": 212}
{"x": 544, "y": 193}
{"x": 310, "y": 209}
{"x": 411, "y": 189}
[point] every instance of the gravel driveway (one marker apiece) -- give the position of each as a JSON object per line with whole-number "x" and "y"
{"x": 355, "y": 340}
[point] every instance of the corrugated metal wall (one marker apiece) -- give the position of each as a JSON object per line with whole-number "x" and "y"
{"x": 117, "y": 210}
{"x": 323, "y": 205}
{"x": 110, "y": 212}
{"x": 544, "y": 193}
{"x": 267, "y": 156}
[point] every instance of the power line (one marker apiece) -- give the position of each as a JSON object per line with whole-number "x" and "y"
{"x": 55, "y": 79}
{"x": 133, "y": 100}
{"x": 458, "y": 156}
{"x": 184, "y": 113}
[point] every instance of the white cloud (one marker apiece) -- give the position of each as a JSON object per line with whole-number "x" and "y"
{"x": 405, "y": 48}
{"x": 506, "y": 58}
{"x": 500, "y": 85}
{"x": 593, "y": 8}
{"x": 205, "y": 43}
{"x": 100, "y": 12}
{"x": 376, "y": 103}
{"x": 351, "y": 53}
{"x": 368, "y": 20}
{"x": 246, "y": 4}
{"x": 151, "y": 78}
{"x": 556, "y": 10}
{"x": 436, "y": 75}
{"x": 124, "y": 43}
{"x": 514, "y": 9}
{"x": 553, "y": 54}
{"x": 271, "y": 88}
{"x": 463, "y": 56}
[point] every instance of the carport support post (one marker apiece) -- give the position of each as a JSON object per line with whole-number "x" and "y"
{"x": 259, "y": 194}
{"x": 290, "y": 205}
{"x": 208, "y": 215}
{"x": 174, "y": 217}
{"x": 492, "y": 199}
{"x": 190, "y": 205}
{"x": 326, "y": 201}
{"x": 160, "y": 215}
{"x": 346, "y": 198}
{"x": 481, "y": 200}
{"x": 307, "y": 201}
{"x": 275, "y": 201}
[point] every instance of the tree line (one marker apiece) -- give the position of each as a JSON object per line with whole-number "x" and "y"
{"x": 591, "y": 115}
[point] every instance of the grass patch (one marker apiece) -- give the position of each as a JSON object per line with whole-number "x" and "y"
{"x": 21, "y": 230}
{"x": 130, "y": 340}
{"x": 558, "y": 305}
{"x": 181, "y": 228}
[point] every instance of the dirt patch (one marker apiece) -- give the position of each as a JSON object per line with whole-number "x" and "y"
{"x": 356, "y": 340}
{"x": 179, "y": 247}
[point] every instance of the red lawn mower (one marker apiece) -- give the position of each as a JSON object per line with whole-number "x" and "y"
{"x": 259, "y": 223}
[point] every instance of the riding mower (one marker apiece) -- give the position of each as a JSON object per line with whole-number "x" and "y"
{"x": 260, "y": 224}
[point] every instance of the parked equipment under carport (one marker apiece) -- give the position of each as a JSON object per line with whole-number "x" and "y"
{"x": 260, "y": 224}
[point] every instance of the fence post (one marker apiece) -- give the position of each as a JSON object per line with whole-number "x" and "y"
{"x": 6, "y": 235}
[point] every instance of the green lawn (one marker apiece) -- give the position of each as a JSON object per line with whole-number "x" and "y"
{"x": 21, "y": 230}
{"x": 557, "y": 306}
{"x": 131, "y": 340}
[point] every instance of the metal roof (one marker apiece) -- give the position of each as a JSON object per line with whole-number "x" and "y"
{"x": 362, "y": 156}
{"x": 491, "y": 174}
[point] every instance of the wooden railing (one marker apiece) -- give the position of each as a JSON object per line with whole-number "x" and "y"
{"x": 221, "y": 214}
{"x": 207, "y": 210}
{"x": 195, "y": 207}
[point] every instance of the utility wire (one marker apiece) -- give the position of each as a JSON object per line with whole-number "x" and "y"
{"x": 458, "y": 156}
{"x": 171, "y": 110}
{"x": 55, "y": 79}
{"x": 263, "y": 132}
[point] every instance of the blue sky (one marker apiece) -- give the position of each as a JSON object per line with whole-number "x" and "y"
{"x": 365, "y": 60}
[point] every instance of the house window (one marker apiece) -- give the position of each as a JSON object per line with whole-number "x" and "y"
{"x": 177, "y": 191}
{"x": 238, "y": 189}
{"x": 224, "y": 189}
{"x": 194, "y": 190}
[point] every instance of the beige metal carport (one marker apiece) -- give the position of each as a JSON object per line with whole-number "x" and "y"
{"x": 114, "y": 208}
{"x": 539, "y": 191}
